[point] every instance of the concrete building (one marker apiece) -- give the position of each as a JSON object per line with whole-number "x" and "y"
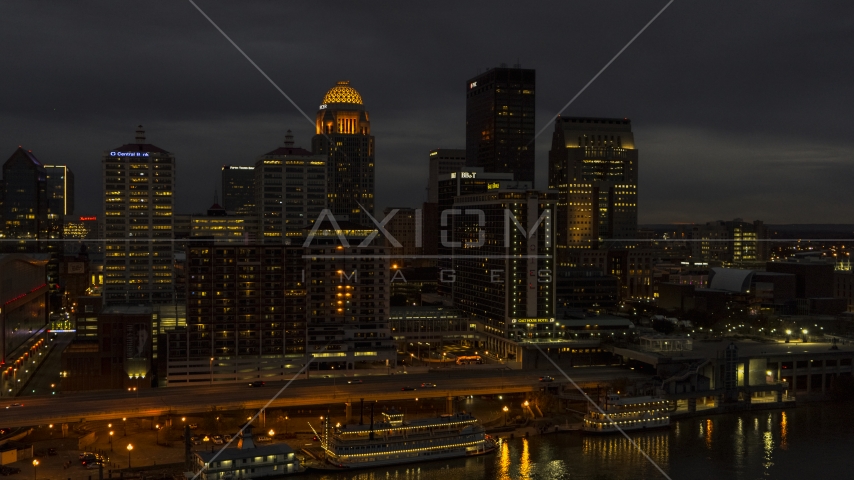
{"x": 814, "y": 276}
{"x": 121, "y": 356}
{"x": 343, "y": 137}
{"x": 139, "y": 184}
{"x": 406, "y": 228}
{"x": 238, "y": 189}
{"x": 246, "y": 315}
{"x": 500, "y": 112}
{"x": 442, "y": 162}
{"x": 347, "y": 299}
{"x": 735, "y": 241}
{"x": 585, "y": 288}
{"x": 593, "y": 163}
{"x": 291, "y": 191}
{"x": 224, "y": 227}
{"x": 843, "y": 287}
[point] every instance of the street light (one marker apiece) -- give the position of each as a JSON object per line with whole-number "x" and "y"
{"x": 271, "y": 433}
{"x": 211, "y": 370}
{"x": 35, "y": 464}
{"x": 505, "y": 414}
{"x": 130, "y": 447}
{"x": 111, "y": 441}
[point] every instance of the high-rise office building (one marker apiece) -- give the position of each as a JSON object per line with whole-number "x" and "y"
{"x": 443, "y": 161}
{"x": 504, "y": 266}
{"x": 25, "y": 207}
{"x": 593, "y": 164}
{"x": 343, "y": 136}
{"x": 60, "y": 190}
{"x": 238, "y": 189}
{"x": 500, "y": 126}
{"x": 139, "y": 183}
{"x": 291, "y": 191}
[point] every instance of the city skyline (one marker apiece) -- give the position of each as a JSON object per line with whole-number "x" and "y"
{"x": 717, "y": 106}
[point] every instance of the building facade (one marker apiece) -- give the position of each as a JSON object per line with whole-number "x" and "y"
{"x": 25, "y": 215}
{"x": 238, "y": 189}
{"x": 442, "y": 162}
{"x": 245, "y": 315}
{"x": 503, "y": 273}
{"x": 343, "y": 137}
{"x": 139, "y": 183}
{"x": 60, "y": 191}
{"x": 593, "y": 164}
{"x": 291, "y": 191}
{"x": 500, "y": 129}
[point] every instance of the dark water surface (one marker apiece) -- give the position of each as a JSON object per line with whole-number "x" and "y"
{"x": 798, "y": 443}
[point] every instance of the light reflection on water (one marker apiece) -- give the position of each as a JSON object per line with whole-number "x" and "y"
{"x": 794, "y": 444}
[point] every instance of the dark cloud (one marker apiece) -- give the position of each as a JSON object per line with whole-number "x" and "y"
{"x": 739, "y": 108}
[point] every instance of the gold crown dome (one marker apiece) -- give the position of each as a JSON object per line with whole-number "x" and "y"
{"x": 342, "y": 92}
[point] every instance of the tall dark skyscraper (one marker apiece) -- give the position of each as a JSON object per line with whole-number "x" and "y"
{"x": 343, "y": 135}
{"x": 60, "y": 191}
{"x": 24, "y": 200}
{"x": 500, "y": 122}
{"x": 593, "y": 164}
{"x": 238, "y": 189}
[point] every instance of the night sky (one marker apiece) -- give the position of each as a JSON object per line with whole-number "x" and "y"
{"x": 740, "y": 109}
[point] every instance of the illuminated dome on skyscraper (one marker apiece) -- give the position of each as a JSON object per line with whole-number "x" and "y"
{"x": 342, "y": 92}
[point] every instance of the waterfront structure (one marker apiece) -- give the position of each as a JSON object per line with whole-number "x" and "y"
{"x": 343, "y": 137}
{"x": 627, "y": 413}
{"x": 246, "y": 315}
{"x": 290, "y": 191}
{"x": 503, "y": 264}
{"x": 593, "y": 164}
{"x": 139, "y": 184}
{"x": 247, "y": 461}
{"x": 500, "y": 111}
{"x": 393, "y": 441}
{"x": 238, "y": 189}
{"x": 24, "y": 204}
{"x": 60, "y": 191}
{"x": 442, "y": 162}
{"x": 347, "y": 298}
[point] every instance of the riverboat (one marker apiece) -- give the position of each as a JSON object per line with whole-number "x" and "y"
{"x": 394, "y": 441}
{"x": 627, "y": 413}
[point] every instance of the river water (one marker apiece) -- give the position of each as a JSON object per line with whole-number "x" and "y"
{"x": 807, "y": 442}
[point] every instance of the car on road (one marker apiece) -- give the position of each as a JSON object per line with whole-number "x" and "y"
{"x": 226, "y": 437}
{"x": 194, "y": 426}
{"x": 85, "y": 454}
{"x": 407, "y": 389}
{"x": 257, "y": 383}
{"x": 92, "y": 458}
{"x": 217, "y": 440}
{"x": 15, "y": 405}
{"x": 355, "y": 381}
{"x": 547, "y": 379}
{"x": 428, "y": 385}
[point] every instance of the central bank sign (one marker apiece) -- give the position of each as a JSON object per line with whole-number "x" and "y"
{"x": 128, "y": 154}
